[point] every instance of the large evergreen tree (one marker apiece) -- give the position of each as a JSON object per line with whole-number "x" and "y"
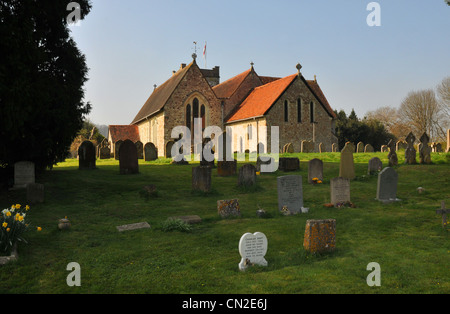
{"x": 42, "y": 73}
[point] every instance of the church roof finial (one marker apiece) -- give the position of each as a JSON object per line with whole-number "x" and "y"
{"x": 299, "y": 67}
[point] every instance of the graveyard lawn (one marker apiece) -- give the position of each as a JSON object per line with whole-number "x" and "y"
{"x": 405, "y": 238}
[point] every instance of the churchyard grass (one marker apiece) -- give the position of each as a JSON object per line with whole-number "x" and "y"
{"x": 406, "y": 238}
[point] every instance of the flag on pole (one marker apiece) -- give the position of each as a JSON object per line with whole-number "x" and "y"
{"x": 204, "y": 53}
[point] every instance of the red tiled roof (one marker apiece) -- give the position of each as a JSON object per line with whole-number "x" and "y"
{"x": 261, "y": 99}
{"x": 124, "y": 132}
{"x": 319, "y": 94}
{"x": 227, "y": 88}
{"x": 268, "y": 79}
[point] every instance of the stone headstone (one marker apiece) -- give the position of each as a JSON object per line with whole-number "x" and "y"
{"x": 263, "y": 161}
{"x": 387, "y": 185}
{"x": 401, "y": 145}
{"x": 228, "y": 208}
{"x": 226, "y": 168}
{"x": 137, "y": 226}
{"x": 425, "y": 151}
{"x": 192, "y": 219}
{"x": 86, "y": 156}
{"x": 320, "y": 236}
{"x": 105, "y": 153}
{"x": 150, "y": 152}
{"x": 375, "y": 165}
{"x": 253, "y": 249}
{"x": 201, "y": 179}
{"x": 140, "y": 149}
{"x": 247, "y": 175}
{"x": 315, "y": 170}
{"x": 35, "y": 193}
{"x": 24, "y": 173}
{"x": 384, "y": 149}
{"x": 321, "y": 148}
{"x": 360, "y": 147}
{"x": 392, "y": 156}
{"x": 410, "y": 151}
{"x": 340, "y": 190}
{"x": 334, "y": 148}
{"x": 307, "y": 146}
{"x": 290, "y": 193}
{"x": 368, "y": 148}
{"x": 128, "y": 159}
{"x": 117, "y": 149}
{"x": 288, "y": 148}
{"x": 208, "y": 148}
{"x": 347, "y": 166}
{"x": 289, "y": 164}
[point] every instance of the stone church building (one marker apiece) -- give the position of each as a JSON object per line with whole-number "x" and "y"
{"x": 247, "y": 101}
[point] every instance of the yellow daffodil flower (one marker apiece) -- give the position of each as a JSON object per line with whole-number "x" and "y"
{"x": 5, "y": 225}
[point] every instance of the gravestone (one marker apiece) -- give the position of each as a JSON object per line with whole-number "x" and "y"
{"x": 226, "y": 168}
{"x": 387, "y": 185}
{"x": 86, "y": 156}
{"x": 351, "y": 145}
{"x": 247, "y": 175}
{"x": 228, "y": 208}
{"x": 392, "y": 156}
{"x": 443, "y": 211}
{"x": 315, "y": 170}
{"x": 307, "y": 146}
{"x": 288, "y": 148}
{"x": 150, "y": 152}
{"x": 140, "y": 149}
{"x": 24, "y": 173}
{"x": 136, "y": 226}
{"x": 320, "y": 236}
{"x": 375, "y": 165}
{"x": 410, "y": 151}
{"x": 117, "y": 149}
{"x": 425, "y": 150}
{"x": 207, "y": 147}
{"x": 263, "y": 161}
{"x": 321, "y": 148}
{"x": 401, "y": 145}
{"x": 128, "y": 158}
{"x": 252, "y": 248}
{"x": 384, "y": 149}
{"x": 105, "y": 153}
{"x": 192, "y": 219}
{"x": 347, "y": 166}
{"x": 289, "y": 164}
{"x": 360, "y": 147}
{"x": 35, "y": 193}
{"x": 437, "y": 148}
{"x": 368, "y": 148}
{"x": 201, "y": 179}
{"x": 340, "y": 191}
{"x": 290, "y": 193}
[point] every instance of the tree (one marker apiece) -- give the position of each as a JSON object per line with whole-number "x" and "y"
{"x": 423, "y": 113}
{"x": 42, "y": 74}
{"x": 391, "y": 120}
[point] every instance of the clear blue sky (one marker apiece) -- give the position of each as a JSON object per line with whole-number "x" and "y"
{"x": 132, "y": 45}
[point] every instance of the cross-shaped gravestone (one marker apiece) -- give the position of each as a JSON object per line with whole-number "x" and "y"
{"x": 443, "y": 211}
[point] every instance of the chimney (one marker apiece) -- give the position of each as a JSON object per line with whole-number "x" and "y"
{"x": 183, "y": 65}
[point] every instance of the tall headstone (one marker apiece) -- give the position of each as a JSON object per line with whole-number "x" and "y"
{"x": 140, "y": 149}
{"x": 368, "y": 148}
{"x": 201, "y": 179}
{"x": 252, "y": 248}
{"x": 360, "y": 147}
{"x": 128, "y": 158}
{"x": 86, "y": 156}
{"x": 290, "y": 193}
{"x": 410, "y": 151}
{"x": 392, "y": 156}
{"x": 334, "y": 148}
{"x": 425, "y": 151}
{"x": 24, "y": 173}
{"x": 347, "y": 166}
{"x": 315, "y": 170}
{"x": 247, "y": 175}
{"x": 375, "y": 165}
{"x": 150, "y": 152}
{"x": 387, "y": 185}
{"x": 340, "y": 191}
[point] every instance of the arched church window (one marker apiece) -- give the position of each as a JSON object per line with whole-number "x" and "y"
{"x": 203, "y": 116}
{"x": 188, "y": 116}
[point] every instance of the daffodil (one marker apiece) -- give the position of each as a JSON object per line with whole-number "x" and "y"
{"x": 8, "y": 230}
{"x": 18, "y": 206}
{"x": 39, "y": 229}
{"x": 8, "y": 214}
{"x": 4, "y": 225}
{"x": 27, "y": 208}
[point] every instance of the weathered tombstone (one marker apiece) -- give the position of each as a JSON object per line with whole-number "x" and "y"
{"x": 347, "y": 166}
{"x": 387, "y": 185}
{"x": 315, "y": 170}
{"x": 117, "y": 149}
{"x": 384, "y": 149}
{"x": 401, "y": 145}
{"x": 136, "y": 226}
{"x": 128, "y": 159}
{"x": 307, "y": 146}
{"x": 86, "y": 156}
{"x": 35, "y": 193}
{"x": 247, "y": 175}
{"x": 201, "y": 179}
{"x": 321, "y": 148}
{"x": 228, "y": 208}
{"x": 105, "y": 153}
{"x": 252, "y": 248}
{"x": 320, "y": 236}
{"x": 226, "y": 168}
{"x": 360, "y": 147}
{"x": 375, "y": 165}
{"x": 410, "y": 151}
{"x": 288, "y": 148}
{"x": 392, "y": 156}
{"x": 24, "y": 173}
{"x": 368, "y": 148}
{"x": 140, "y": 149}
{"x": 290, "y": 193}
{"x": 289, "y": 164}
{"x": 340, "y": 191}
{"x": 334, "y": 148}
{"x": 425, "y": 151}
{"x": 443, "y": 211}
{"x": 150, "y": 152}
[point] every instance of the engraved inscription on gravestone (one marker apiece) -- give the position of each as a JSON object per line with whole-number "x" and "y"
{"x": 253, "y": 248}
{"x": 340, "y": 190}
{"x": 290, "y": 193}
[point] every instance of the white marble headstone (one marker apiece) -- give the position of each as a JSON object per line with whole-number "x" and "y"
{"x": 253, "y": 248}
